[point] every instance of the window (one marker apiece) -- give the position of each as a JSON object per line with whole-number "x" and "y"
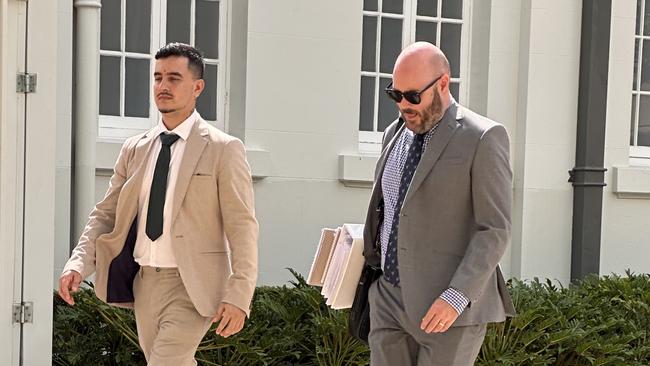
{"x": 640, "y": 126}
{"x": 389, "y": 26}
{"x": 131, "y": 33}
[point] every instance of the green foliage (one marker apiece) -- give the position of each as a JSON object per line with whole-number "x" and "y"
{"x": 93, "y": 333}
{"x": 599, "y": 321}
{"x": 288, "y": 326}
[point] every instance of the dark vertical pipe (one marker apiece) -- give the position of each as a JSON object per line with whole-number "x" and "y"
{"x": 588, "y": 175}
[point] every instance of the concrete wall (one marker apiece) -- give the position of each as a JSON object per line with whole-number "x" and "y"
{"x": 502, "y": 90}
{"x": 299, "y": 123}
{"x": 302, "y": 108}
{"x": 301, "y": 113}
{"x": 300, "y": 127}
{"x": 544, "y": 137}
{"x": 626, "y": 232}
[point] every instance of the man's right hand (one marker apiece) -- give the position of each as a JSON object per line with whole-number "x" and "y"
{"x": 69, "y": 283}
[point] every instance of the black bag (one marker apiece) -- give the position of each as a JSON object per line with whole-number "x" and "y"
{"x": 359, "y": 321}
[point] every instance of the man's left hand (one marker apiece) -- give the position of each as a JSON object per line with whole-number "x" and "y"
{"x": 439, "y": 318}
{"x": 231, "y": 319}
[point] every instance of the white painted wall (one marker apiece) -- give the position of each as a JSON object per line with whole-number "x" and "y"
{"x": 302, "y": 85}
{"x": 302, "y": 106}
{"x": 626, "y": 228}
{"x": 503, "y": 79}
{"x": 302, "y": 113}
{"x": 544, "y": 138}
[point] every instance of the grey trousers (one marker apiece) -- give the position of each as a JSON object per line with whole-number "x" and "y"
{"x": 169, "y": 327}
{"x": 397, "y": 340}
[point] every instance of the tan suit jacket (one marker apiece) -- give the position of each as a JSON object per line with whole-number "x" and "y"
{"x": 454, "y": 223}
{"x": 214, "y": 231}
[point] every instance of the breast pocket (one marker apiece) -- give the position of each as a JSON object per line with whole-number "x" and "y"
{"x": 201, "y": 178}
{"x": 201, "y": 175}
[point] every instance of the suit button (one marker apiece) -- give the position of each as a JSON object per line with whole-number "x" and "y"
{"x": 157, "y": 269}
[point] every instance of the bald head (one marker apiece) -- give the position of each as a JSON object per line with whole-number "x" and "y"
{"x": 423, "y": 69}
{"x": 423, "y": 57}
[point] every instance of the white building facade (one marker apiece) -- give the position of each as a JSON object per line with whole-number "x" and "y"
{"x": 300, "y": 82}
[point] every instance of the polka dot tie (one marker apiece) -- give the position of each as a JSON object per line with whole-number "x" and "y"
{"x": 391, "y": 272}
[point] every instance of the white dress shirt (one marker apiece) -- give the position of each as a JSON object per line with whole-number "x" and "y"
{"x": 159, "y": 253}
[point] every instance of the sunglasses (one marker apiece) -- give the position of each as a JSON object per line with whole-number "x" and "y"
{"x": 411, "y": 96}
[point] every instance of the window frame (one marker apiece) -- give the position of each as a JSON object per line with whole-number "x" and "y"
{"x": 370, "y": 141}
{"x": 639, "y": 155}
{"x": 119, "y": 128}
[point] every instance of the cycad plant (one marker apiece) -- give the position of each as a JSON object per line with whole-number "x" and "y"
{"x": 598, "y": 321}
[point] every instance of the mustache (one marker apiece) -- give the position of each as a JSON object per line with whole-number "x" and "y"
{"x": 408, "y": 110}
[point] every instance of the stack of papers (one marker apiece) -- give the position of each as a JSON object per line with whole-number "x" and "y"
{"x": 328, "y": 238}
{"x": 337, "y": 264}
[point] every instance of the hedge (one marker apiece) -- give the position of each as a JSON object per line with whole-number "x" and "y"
{"x": 598, "y": 321}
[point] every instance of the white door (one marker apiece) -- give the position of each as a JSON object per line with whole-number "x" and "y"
{"x": 13, "y": 18}
{"x": 27, "y": 180}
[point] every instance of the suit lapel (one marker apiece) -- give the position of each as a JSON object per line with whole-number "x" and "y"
{"x": 195, "y": 144}
{"x": 142, "y": 150}
{"x": 436, "y": 146}
{"x": 381, "y": 163}
{"x": 139, "y": 163}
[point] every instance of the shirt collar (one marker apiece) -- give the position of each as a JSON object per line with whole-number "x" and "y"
{"x": 183, "y": 130}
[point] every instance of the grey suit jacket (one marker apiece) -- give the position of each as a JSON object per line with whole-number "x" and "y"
{"x": 455, "y": 220}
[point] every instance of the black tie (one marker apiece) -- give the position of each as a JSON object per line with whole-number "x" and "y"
{"x": 391, "y": 272}
{"x": 159, "y": 188}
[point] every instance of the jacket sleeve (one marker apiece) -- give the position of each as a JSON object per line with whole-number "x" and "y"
{"x": 240, "y": 226}
{"x": 100, "y": 221}
{"x": 491, "y": 185}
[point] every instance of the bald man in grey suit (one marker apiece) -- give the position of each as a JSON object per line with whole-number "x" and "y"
{"x": 438, "y": 222}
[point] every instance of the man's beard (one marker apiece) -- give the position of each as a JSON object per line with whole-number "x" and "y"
{"x": 165, "y": 111}
{"x": 429, "y": 116}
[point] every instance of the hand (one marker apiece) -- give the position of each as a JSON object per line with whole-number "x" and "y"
{"x": 439, "y": 318}
{"x": 230, "y": 318}
{"x": 69, "y": 282}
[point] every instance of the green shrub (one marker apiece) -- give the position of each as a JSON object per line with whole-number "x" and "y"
{"x": 93, "y": 333}
{"x": 599, "y": 321}
{"x": 288, "y": 326}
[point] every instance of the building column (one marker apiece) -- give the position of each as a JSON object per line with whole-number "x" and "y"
{"x": 86, "y": 113}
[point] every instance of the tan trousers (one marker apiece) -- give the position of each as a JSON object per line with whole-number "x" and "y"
{"x": 169, "y": 327}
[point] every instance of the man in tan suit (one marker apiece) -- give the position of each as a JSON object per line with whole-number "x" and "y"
{"x": 438, "y": 222}
{"x": 175, "y": 237}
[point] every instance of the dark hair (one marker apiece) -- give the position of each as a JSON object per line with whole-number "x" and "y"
{"x": 194, "y": 56}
